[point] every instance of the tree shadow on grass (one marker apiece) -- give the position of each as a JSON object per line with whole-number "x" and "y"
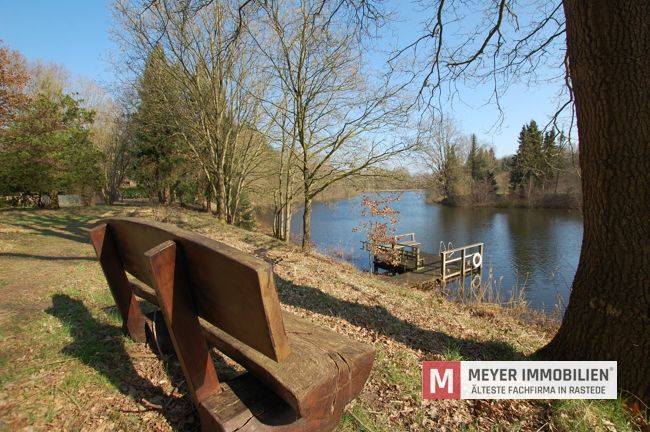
{"x": 100, "y": 346}
{"x": 379, "y": 319}
{"x": 64, "y": 225}
{"x": 47, "y": 257}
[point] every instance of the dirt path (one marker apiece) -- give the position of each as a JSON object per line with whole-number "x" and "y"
{"x": 64, "y": 363}
{"x": 38, "y": 252}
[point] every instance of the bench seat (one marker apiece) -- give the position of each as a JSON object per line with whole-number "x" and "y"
{"x": 322, "y": 367}
{"x": 247, "y": 405}
{"x": 299, "y": 376}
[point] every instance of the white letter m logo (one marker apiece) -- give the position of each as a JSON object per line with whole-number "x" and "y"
{"x": 446, "y": 381}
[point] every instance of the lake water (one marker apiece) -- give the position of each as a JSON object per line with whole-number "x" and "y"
{"x": 534, "y": 250}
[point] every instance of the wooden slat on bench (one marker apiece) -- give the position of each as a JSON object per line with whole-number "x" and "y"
{"x": 323, "y": 369}
{"x": 109, "y": 259}
{"x": 231, "y": 290}
{"x": 182, "y": 323}
{"x": 246, "y": 405}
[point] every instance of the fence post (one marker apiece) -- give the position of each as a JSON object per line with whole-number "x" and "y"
{"x": 443, "y": 259}
{"x": 462, "y": 261}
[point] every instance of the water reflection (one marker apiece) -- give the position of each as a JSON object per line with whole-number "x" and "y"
{"x": 534, "y": 250}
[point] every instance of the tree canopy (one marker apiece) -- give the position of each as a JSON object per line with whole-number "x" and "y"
{"x": 47, "y": 149}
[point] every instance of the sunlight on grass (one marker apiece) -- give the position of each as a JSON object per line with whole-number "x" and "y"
{"x": 69, "y": 348}
{"x": 358, "y": 419}
{"x": 592, "y": 415}
{"x": 452, "y": 352}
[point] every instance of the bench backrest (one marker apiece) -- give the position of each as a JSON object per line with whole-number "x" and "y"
{"x": 231, "y": 290}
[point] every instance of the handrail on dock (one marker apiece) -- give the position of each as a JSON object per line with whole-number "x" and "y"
{"x": 475, "y": 260}
{"x": 411, "y": 259}
{"x": 408, "y": 250}
{"x": 398, "y": 237}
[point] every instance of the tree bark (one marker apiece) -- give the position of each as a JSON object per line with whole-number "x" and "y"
{"x": 208, "y": 199}
{"x": 220, "y": 199}
{"x": 276, "y": 222}
{"x": 306, "y": 225}
{"x": 109, "y": 198}
{"x": 287, "y": 223}
{"x": 608, "y": 315}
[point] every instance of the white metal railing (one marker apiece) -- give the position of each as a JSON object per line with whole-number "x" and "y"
{"x": 470, "y": 260}
{"x": 400, "y": 238}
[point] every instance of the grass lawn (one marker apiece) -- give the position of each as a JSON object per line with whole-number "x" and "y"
{"x": 65, "y": 364}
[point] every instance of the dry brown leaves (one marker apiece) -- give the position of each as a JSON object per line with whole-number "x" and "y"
{"x": 406, "y": 326}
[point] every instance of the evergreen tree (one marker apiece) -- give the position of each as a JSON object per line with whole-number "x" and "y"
{"x": 489, "y": 175}
{"x": 552, "y": 157}
{"x": 475, "y": 161}
{"x": 246, "y": 213}
{"x": 451, "y": 177}
{"x": 47, "y": 149}
{"x": 528, "y": 163}
{"x": 155, "y": 146}
{"x": 481, "y": 167}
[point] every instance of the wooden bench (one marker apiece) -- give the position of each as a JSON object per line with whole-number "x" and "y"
{"x": 298, "y": 376}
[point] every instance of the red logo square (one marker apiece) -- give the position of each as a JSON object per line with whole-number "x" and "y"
{"x": 441, "y": 380}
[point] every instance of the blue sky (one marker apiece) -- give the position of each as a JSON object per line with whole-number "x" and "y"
{"x": 76, "y": 34}
{"x": 470, "y": 109}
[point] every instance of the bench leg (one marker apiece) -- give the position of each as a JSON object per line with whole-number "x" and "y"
{"x": 178, "y": 309}
{"x": 133, "y": 321}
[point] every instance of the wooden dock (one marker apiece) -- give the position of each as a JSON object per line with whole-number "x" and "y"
{"x": 430, "y": 271}
{"x": 416, "y": 266}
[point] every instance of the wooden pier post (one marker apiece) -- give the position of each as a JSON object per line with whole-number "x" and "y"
{"x": 462, "y": 263}
{"x": 443, "y": 260}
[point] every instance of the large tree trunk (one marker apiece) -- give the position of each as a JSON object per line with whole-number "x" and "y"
{"x": 608, "y": 316}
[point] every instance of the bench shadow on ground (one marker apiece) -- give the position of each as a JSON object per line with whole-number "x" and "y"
{"x": 379, "y": 319}
{"x": 101, "y": 346}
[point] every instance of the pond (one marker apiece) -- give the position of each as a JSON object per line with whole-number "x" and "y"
{"x": 529, "y": 251}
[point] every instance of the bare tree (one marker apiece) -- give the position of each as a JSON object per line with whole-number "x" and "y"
{"x": 51, "y": 79}
{"x": 216, "y": 104}
{"x": 286, "y": 172}
{"x": 109, "y": 133}
{"x": 605, "y": 65}
{"x": 442, "y": 145}
{"x": 332, "y": 115}
{"x": 361, "y": 17}
{"x": 116, "y": 159}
